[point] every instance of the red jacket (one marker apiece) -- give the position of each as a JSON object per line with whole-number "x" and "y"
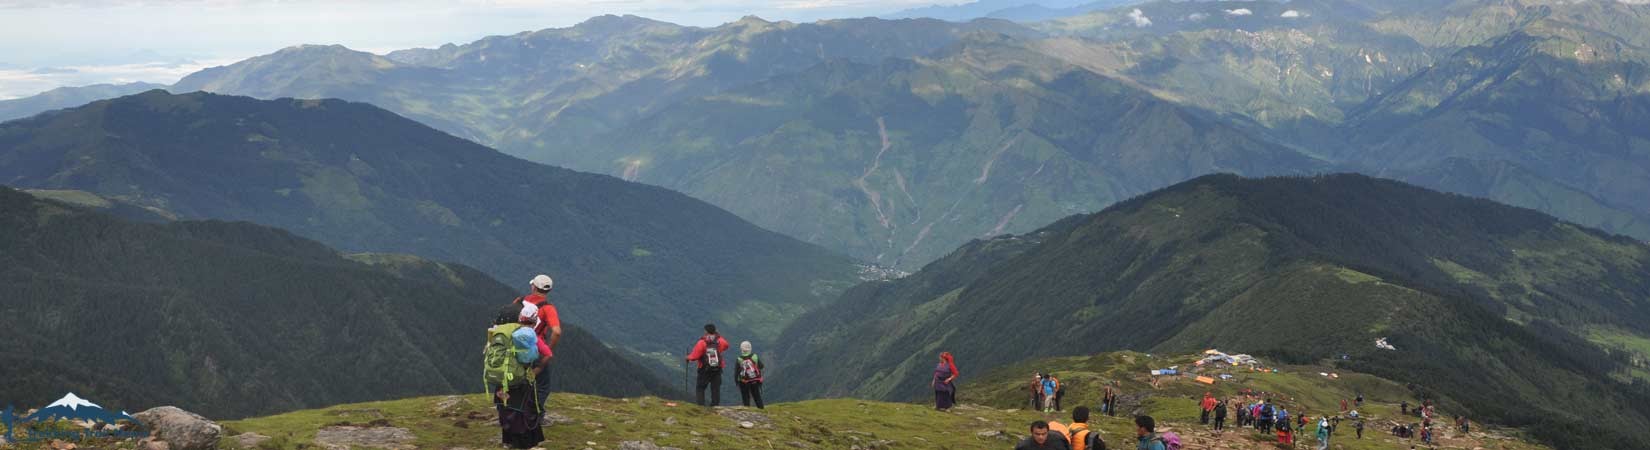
{"x": 698, "y": 354}
{"x": 547, "y": 318}
{"x": 1208, "y": 403}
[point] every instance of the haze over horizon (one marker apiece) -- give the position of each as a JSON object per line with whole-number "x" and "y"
{"x": 51, "y": 44}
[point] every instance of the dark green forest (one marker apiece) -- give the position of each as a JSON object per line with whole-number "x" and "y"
{"x": 362, "y": 179}
{"x": 231, "y": 319}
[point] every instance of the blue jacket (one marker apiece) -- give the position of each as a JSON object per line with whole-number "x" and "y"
{"x": 1150, "y": 442}
{"x": 1048, "y": 387}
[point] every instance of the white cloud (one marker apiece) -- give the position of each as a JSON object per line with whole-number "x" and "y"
{"x": 1196, "y": 17}
{"x": 1139, "y": 18}
{"x": 16, "y": 83}
{"x": 1290, "y": 14}
{"x": 1239, "y": 12}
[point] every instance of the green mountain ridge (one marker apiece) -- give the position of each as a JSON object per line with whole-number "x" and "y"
{"x": 1487, "y": 303}
{"x": 234, "y": 319}
{"x": 362, "y": 179}
{"x": 898, "y": 161}
{"x": 67, "y": 97}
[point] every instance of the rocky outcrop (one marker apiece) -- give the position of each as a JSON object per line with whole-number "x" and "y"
{"x": 179, "y": 429}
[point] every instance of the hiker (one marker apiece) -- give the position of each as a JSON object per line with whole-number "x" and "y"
{"x": 1207, "y": 406}
{"x": 1359, "y": 402}
{"x": 1286, "y": 433}
{"x": 749, "y": 376}
{"x": 1359, "y": 427}
{"x": 1037, "y": 391}
{"x": 1343, "y": 406}
{"x": 1466, "y": 425}
{"x": 943, "y": 383}
{"x": 1404, "y": 407}
{"x": 1079, "y": 434}
{"x": 1282, "y": 418}
{"x": 1042, "y": 439}
{"x": 1059, "y": 392}
{"x": 1145, "y": 430}
{"x": 548, "y": 329}
{"x": 1220, "y": 416}
{"x": 1108, "y": 400}
{"x": 1323, "y": 434}
{"x": 1243, "y": 415}
{"x": 1266, "y": 415}
{"x": 708, "y": 353}
{"x": 511, "y": 360}
{"x": 1050, "y": 386}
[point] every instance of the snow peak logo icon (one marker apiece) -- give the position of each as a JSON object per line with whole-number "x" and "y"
{"x": 70, "y": 418}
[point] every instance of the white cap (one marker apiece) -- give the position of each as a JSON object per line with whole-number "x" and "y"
{"x": 542, "y": 282}
{"x": 529, "y": 311}
{"x": 745, "y": 347}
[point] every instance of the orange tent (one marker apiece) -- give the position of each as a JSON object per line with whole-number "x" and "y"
{"x": 1206, "y": 380}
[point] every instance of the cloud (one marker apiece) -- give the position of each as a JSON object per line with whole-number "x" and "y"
{"x": 25, "y": 82}
{"x": 1196, "y": 17}
{"x": 1139, "y": 18}
{"x": 1239, "y": 12}
{"x": 1290, "y": 14}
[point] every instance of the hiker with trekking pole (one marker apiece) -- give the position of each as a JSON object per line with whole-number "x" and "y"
{"x": 709, "y": 353}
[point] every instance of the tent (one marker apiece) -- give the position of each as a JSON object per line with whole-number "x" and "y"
{"x": 1206, "y": 380}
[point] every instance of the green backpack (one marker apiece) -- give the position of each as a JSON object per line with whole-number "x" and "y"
{"x": 500, "y": 367}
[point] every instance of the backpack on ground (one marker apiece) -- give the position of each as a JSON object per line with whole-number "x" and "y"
{"x": 713, "y": 354}
{"x": 500, "y": 367}
{"x": 1090, "y": 439}
{"x": 750, "y": 369}
{"x": 1170, "y": 440}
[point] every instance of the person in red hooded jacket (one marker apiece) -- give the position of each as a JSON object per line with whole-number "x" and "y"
{"x": 711, "y": 352}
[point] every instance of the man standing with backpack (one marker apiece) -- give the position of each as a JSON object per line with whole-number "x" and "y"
{"x": 548, "y": 329}
{"x": 1082, "y": 438}
{"x": 1145, "y": 429}
{"x": 749, "y": 376}
{"x": 708, "y": 352}
{"x": 1108, "y": 399}
{"x": 1220, "y": 415}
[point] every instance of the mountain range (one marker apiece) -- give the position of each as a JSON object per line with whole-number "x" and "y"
{"x": 1491, "y": 307}
{"x": 234, "y": 319}
{"x": 362, "y": 179}
{"x": 1344, "y": 85}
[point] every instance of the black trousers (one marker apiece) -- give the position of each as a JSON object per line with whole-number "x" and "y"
{"x": 713, "y": 380}
{"x": 1204, "y": 418}
{"x": 1220, "y": 422}
{"x": 750, "y": 391}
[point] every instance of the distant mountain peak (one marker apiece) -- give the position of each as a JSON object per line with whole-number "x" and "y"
{"x": 73, "y": 402}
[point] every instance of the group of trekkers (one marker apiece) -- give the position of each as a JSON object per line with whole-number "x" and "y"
{"x": 1424, "y": 430}
{"x": 521, "y": 342}
{"x": 516, "y": 363}
{"x": 1052, "y": 435}
{"x": 1047, "y": 393}
{"x": 709, "y": 357}
{"x": 1266, "y": 417}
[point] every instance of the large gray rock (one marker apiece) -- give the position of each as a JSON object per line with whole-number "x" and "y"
{"x": 250, "y": 440}
{"x": 182, "y": 430}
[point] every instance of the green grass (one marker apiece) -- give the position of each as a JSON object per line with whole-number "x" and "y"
{"x": 468, "y": 421}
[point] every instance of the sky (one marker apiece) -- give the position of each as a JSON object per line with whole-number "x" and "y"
{"x": 47, "y": 44}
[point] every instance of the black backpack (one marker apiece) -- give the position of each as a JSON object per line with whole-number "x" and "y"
{"x": 1092, "y": 441}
